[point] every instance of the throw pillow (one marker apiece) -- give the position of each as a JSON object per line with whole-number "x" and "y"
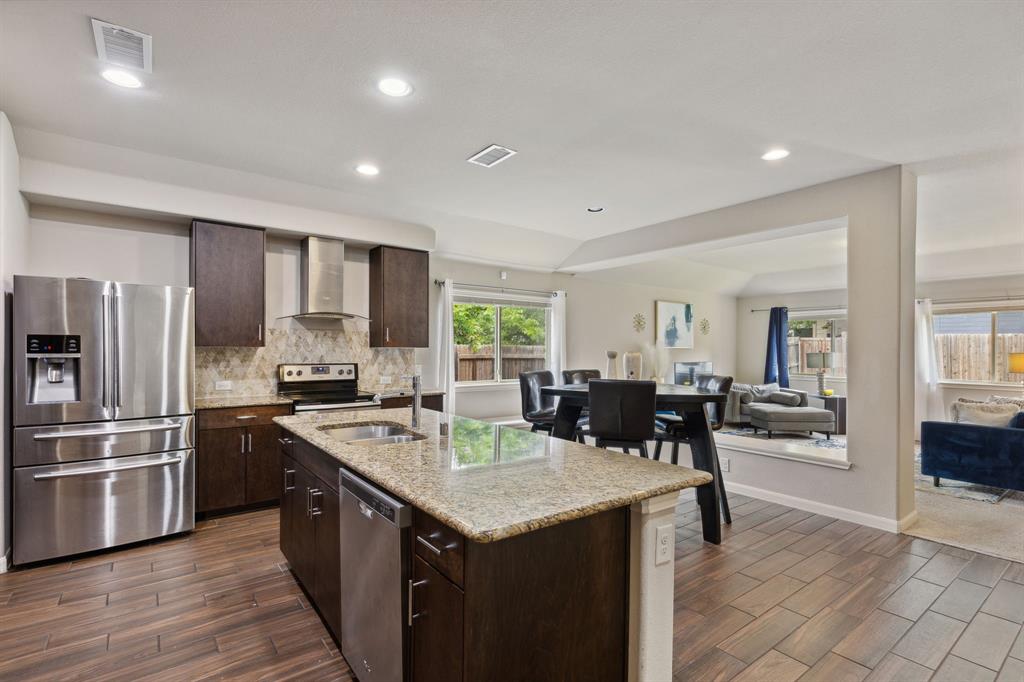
{"x": 783, "y": 398}
{"x": 1005, "y": 400}
{"x": 1018, "y": 421}
{"x": 986, "y": 414}
{"x": 761, "y": 392}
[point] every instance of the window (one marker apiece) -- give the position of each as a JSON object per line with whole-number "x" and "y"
{"x": 817, "y": 335}
{"x": 975, "y": 345}
{"x": 495, "y": 341}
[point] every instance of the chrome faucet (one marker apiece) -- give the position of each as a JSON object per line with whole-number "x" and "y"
{"x": 417, "y": 400}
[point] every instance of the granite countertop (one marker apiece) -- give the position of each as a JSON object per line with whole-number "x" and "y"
{"x": 216, "y": 402}
{"x": 492, "y": 482}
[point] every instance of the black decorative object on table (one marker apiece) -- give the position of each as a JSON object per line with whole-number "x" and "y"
{"x": 688, "y": 400}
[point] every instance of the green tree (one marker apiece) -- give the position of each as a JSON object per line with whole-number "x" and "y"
{"x": 474, "y": 325}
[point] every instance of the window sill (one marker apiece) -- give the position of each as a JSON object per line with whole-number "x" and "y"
{"x": 486, "y": 386}
{"x": 988, "y": 385}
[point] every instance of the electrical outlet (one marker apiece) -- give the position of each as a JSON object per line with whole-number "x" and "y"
{"x": 723, "y": 463}
{"x": 664, "y": 543}
{"x": 385, "y": 380}
{"x": 223, "y": 386}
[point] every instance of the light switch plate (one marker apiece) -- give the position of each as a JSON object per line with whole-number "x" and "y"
{"x": 723, "y": 463}
{"x": 663, "y": 540}
{"x": 223, "y": 386}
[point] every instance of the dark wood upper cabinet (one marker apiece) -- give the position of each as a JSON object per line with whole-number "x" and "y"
{"x": 227, "y": 271}
{"x": 399, "y": 298}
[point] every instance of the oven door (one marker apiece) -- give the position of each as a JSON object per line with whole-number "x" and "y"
{"x": 317, "y": 408}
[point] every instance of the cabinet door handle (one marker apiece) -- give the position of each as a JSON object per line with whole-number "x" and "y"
{"x": 259, "y": 331}
{"x": 387, "y": 335}
{"x": 284, "y": 441}
{"x": 248, "y": 439}
{"x": 314, "y": 511}
{"x": 243, "y": 443}
{"x": 431, "y": 546}
{"x": 412, "y": 585}
{"x": 308, "y": 502}
{"x": 286, "y": 486}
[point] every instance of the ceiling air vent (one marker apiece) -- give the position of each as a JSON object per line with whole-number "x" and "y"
{"x": 123, "y": 46}
{"x": 491, "y": 156}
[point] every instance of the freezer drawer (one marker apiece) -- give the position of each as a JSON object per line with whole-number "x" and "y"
{"x": 70, "y": 508}
{"x": 34, "y": 445}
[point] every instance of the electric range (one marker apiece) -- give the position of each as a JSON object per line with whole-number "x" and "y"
{"x": 324, "y": 387}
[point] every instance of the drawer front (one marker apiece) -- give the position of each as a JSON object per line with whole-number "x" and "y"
{"x": 65, "y": 509}
{"x": 394, "y": 403}
{"x": 438, "y": 545}
{"x": 232, "y": 417}
{"x": 320, "y": 464}
{"x": 76, "y": 442}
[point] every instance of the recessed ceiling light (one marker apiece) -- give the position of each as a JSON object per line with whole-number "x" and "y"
{"x": 122, "y": 78}
{"x": 394, "y": 87}
{"x": 595, "y": 209}
{"x": 367, "y": 169}
{"x": 775, "y": 154}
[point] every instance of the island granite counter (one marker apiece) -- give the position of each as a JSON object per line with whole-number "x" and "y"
{"x": 540, "y": 538}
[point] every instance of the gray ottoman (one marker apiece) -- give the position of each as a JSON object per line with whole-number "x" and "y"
{"x": 772, "y": 417}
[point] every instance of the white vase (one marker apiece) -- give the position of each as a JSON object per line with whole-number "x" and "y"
{"x": 632, "y": 365}
{"x": 611, "y": 370}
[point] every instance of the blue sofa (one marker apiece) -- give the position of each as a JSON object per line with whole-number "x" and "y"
{"x": 986, "y": 455}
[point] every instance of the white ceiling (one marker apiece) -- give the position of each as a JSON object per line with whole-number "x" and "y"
{"x": 652, "y": 110}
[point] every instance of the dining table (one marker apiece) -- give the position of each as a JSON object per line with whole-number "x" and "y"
{"x": 690, "y": 403}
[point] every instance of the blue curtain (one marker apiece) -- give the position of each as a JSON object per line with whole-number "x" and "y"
{"x": 776, "y": 362}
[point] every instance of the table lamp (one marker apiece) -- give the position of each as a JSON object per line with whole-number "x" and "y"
{"x": 1016, "y": 365}
{"x": 820, "y": 362}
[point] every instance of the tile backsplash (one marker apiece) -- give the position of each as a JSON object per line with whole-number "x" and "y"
{"x": 253, "y": 371}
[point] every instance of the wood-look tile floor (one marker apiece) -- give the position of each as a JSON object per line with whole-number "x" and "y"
{"x": 788, "y": 595}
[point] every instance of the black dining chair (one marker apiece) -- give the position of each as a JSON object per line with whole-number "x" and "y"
{"x": 674, "y": 431}
{"x": 579, "y": 376}
{"x": 622, "y": 413}
{"x": 538, "y": 409}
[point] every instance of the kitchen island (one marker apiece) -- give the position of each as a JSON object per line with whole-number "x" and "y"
{"x": 529, "y": 557}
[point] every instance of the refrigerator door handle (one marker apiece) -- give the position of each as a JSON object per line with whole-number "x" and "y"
{"x": 117, "y": 352}
{"x": 109, "y": 470}
{"x": 105, "y": 380}
{"x": 58, "y": 435}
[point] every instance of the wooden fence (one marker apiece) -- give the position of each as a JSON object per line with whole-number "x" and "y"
{"x": 968, "y": 357}
{"x": 479, "y": 365}
{"x": 799, "y": 347}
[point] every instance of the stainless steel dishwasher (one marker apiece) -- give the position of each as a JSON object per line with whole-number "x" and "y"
{"x": 374, "y": 574}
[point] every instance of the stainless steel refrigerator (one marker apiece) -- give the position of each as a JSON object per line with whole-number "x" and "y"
{"x": 102, "y": 407}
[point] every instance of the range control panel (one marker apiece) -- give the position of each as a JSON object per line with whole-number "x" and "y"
{"x": 310, "y": 372}
{"x": 53, "y": 344}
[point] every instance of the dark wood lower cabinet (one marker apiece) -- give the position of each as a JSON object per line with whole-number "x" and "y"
{"x": 262, "y": 464}
{"x": 220, "y": 469}
{"x": 436, "y": 626}
{"x": 238, "y": 460}
{"x": 310, "y": 538}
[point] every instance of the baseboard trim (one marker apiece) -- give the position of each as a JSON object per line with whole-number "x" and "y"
{"x": 908, "y": 520}
{"x": 879, "y": 522}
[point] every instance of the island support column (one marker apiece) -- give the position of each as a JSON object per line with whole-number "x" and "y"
{"x": 651, "y": 589}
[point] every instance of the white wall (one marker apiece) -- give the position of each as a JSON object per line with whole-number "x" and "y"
{"x": 73, "y": 243}
{"x": 599, "y": 317}
{"x": 14, "y": 227}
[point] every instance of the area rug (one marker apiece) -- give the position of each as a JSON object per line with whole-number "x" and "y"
{"x": 960, "y": 489}
{"x": 996, "y": 529}
{"x": 791, "y": 438}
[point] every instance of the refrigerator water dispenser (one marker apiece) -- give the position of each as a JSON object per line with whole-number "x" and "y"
{"x": 53, "y": 368}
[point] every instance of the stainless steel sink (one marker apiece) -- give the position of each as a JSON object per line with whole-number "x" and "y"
{"x": 372, "y": 434}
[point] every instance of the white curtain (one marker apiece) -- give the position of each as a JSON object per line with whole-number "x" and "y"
{"x": 558, "y": 335}
{"x": 927, "y": 399}
{"x": 445, "y": 346}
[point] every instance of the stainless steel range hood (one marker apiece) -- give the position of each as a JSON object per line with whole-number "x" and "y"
{"x": 322, "y": 282}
